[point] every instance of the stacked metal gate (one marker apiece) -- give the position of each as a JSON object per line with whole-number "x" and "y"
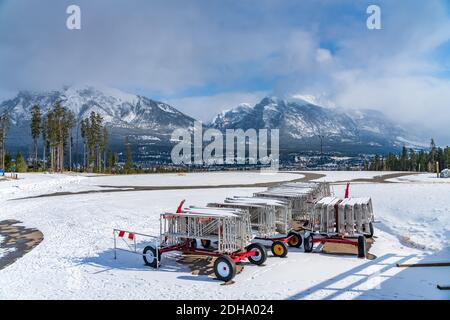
{"x": 347, "y": 217}
{"x": 301, "y": 197}
{"x": 229, "y": 228}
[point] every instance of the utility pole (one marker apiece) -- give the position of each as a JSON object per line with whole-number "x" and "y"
{"x": 437, "y": 168}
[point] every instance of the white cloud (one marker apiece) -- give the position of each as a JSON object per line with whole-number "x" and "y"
{"x": 206, "y": 107}
{"x": 168, "y": 48}
{"x": 323, "y": 55}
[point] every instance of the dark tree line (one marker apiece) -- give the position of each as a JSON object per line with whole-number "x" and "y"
{"x": 57, "y": 130}
{"x": 413, "y": 160}
{"x": 95, "y": 142}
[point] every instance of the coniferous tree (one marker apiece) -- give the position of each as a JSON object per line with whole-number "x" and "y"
{"x": 104, "y": 144}
{"x": 412, "y": 160}
{"x": 4, "y": 125}
{"x": 84, "y": 128}
{"x": 95, "y": 139}
{"x": 44, "y": 141}
{"x": 129, "y": 157}
{"x": 112, "y": 159}
{"x": 8, "y": 162}
{"x": 60, "y": 122}
{"x": 35, "y": 131}
{"x": 404, "y": 160}
{"x": 21, "y": 165}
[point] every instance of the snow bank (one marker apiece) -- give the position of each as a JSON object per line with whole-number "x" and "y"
{"x": 418, "y": 214}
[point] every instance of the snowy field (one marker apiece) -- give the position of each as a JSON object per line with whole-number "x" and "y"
{"x": 75, "y": 259}
{"x": 336, "y": 176}
{"x": 192, "y": 179}
{"x": 424, "y": 178}
{"x": 3, "y": 251}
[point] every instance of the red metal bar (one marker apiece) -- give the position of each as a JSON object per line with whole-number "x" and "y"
{"x": 238, "y": 256}
{"x": 176, "y": 247}
{"x": 180, "y": 206}
{"x": 243, "y": 255}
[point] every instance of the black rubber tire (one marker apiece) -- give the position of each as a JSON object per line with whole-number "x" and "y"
{"x": 361, "y": 247}
{"x": 262, "y": 254}
{"x": 155, "y": 262}
{"x": 297, "y": 242}
{"x": 205, "y": 243}
{"x": 308, "y": 243}
{"x": 224, "y": 262}
{"x": 369, "y": 233}
{"x": 282, "y": 246}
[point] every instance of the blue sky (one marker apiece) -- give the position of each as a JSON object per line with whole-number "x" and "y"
{"x": 205, "y": 56}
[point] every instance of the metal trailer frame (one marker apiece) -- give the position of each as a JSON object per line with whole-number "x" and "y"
{"x": 229, "y": 228}
{"x": 262, "y": 216}
{"x": 336, "y": 220}
{"x": 300, "y": 196}
{"x": 180, "y": 231}
{"x": 263, "y": 210}
{"x": 283, "y": 213}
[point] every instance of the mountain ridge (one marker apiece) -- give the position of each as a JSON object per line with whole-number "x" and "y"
{"x": 303, "y": 123}
{"x": 149, "y": 123}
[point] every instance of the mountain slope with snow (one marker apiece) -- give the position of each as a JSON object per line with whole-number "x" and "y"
{"x": 149, "y": 123}
{"x": 142, "y": 119}
{"x": 301, "y": 123}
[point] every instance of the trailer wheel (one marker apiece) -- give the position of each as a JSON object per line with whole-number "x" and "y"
{"x": 361, "y": 247}
{"x": 149, "y": 255}
{"x": 279, "y": 249}
{"x": 296, "y": 240}
{"x": 224, "y": 268}
{"x": 308, "y": 243}
{"x": 205, "y": 243}
{"x": 261, "y": 256}
{"x": 371, "y": 231}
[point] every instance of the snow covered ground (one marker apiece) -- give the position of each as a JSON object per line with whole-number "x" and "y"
{"x": 425, "y": 177}
{"x": 3, "y": 251}
{"x": 75, "y": 259}
{"x": 334, "y": 176}
{"x": 33, "y": 184}
{"x": 192, "y": 179}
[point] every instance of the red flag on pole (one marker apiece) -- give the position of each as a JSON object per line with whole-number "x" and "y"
{"x": 180, "y": 206}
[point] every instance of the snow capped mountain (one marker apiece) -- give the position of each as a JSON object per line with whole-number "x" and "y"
{"x": 138, "y": 117}
{"x": 301, "y": 123}
{"x": 116, "y": 107}
{"x": 149, "y": 124}
{"x": 235, "y": 114}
